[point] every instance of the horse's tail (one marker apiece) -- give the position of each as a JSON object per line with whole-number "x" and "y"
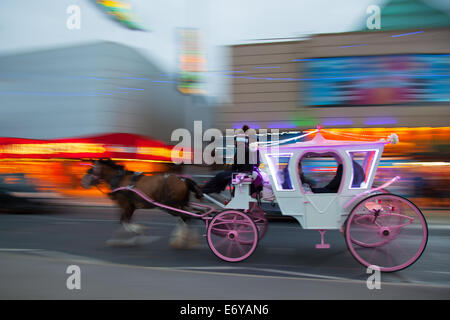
{"x": 192, "y": 186}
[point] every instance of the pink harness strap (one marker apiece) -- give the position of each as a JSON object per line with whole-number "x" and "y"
{"x": 146, "y": 198}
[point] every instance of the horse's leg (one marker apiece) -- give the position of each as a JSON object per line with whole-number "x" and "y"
{"x": 179, "y": 235}
{"x": 193, "y": 238}
{"x": 132, "y": 230}
{"x": 184, "y": 236}
{"x": 125, "y": 219}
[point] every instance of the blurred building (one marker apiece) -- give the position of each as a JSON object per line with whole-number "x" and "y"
{"x": 89, "y": 89}
{"x": 79, "y": 93}
{"x": 363, "y": 81}
{"x": 371, "y": 82}
{"x": 285, "y": 84}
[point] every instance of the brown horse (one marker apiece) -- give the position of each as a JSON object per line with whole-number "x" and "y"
{"x": 167, "y": 189}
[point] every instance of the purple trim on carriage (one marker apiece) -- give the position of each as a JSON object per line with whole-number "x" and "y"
{"x": 146, "y": 198}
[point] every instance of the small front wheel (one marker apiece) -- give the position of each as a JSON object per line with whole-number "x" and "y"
{"x": 232, "y": 236}
{"x": 387, "y": 231}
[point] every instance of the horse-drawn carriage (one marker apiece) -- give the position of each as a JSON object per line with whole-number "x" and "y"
{"x": 381, "y": 229}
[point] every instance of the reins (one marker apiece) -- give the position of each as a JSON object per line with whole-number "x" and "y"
{"x": 114, "y": 184}
{"x": 106, "y": 193}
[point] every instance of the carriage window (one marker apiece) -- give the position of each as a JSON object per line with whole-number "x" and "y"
{"x": 320, "y": 173}
{"x": 363, "y": 163}
{"x": 278, "y": 165}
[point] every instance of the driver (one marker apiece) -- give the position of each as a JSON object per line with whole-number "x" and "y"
{"x": 220, "y": 181}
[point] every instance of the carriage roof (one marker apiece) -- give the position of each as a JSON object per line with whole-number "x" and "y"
{"x": 320, "y": 142}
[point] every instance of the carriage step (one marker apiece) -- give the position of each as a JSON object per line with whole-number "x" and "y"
{"x": 322, "y": 245}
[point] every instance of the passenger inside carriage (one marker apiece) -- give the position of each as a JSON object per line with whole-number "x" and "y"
{"x": 322, "y": 179}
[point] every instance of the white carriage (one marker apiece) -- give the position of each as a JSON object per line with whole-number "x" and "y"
{"x": 380, "y": 229}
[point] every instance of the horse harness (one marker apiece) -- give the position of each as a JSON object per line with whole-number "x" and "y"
{"x": 115, "y": 182}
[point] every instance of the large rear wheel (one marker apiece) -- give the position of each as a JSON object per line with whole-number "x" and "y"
{"x": 387, "y": 231}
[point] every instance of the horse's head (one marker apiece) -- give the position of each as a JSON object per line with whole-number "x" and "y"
{"x": 100, "y": 170}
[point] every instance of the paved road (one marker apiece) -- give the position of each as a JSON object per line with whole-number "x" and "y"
{"x": 35, "y": 251}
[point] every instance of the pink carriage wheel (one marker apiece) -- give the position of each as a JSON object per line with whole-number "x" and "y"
{"x": 259, "y": 218}
{"x": 232, "y": 236}
{"x": 387, "y": 231}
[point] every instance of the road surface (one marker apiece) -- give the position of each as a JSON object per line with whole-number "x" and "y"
{"x": 36, "y": 250}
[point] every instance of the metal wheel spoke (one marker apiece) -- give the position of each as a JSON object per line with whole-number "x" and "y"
{"x": 225, "y": 239}
{"x": 230, "y": 245}
{"x": 238, "y": 245}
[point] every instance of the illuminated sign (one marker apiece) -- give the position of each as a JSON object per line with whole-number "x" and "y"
{"x": 376, "y": 80}
{"x": 115, "y": 145}
{"x": 192, "y": 62}
{"x": 51, "y": 148}
{"x": 122, "y": 12}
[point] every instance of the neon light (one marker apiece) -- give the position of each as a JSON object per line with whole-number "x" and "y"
{"x": 122, "y": 12}
{"x": 134, "y": 78}
{"x": 368, "y": 163}
{"x": 274, "y": 143}
{"x": 282, "y": 125}
{"x": 407, "y": 34}
{"x": 298, "y": 60}
{"x": 356, "y": 45}
{"x": 273, "y": 173}
{"x": 52, "y": 148}
{"x": 192, "y": 62}
{"x": 380, "y": 121}
{"x": 305, "y": 122}
{"x": 426, "y": 164}
{"x": 337, "y": 122}
{"x": 275, "y": 67}
{"x": 364, "y": 184}
{"x": 155, "y": 151}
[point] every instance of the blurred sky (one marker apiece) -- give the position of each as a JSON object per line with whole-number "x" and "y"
{"x": 28, "y": 25}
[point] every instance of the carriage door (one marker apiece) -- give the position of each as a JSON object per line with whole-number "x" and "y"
{"x": 321, "y": 176}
